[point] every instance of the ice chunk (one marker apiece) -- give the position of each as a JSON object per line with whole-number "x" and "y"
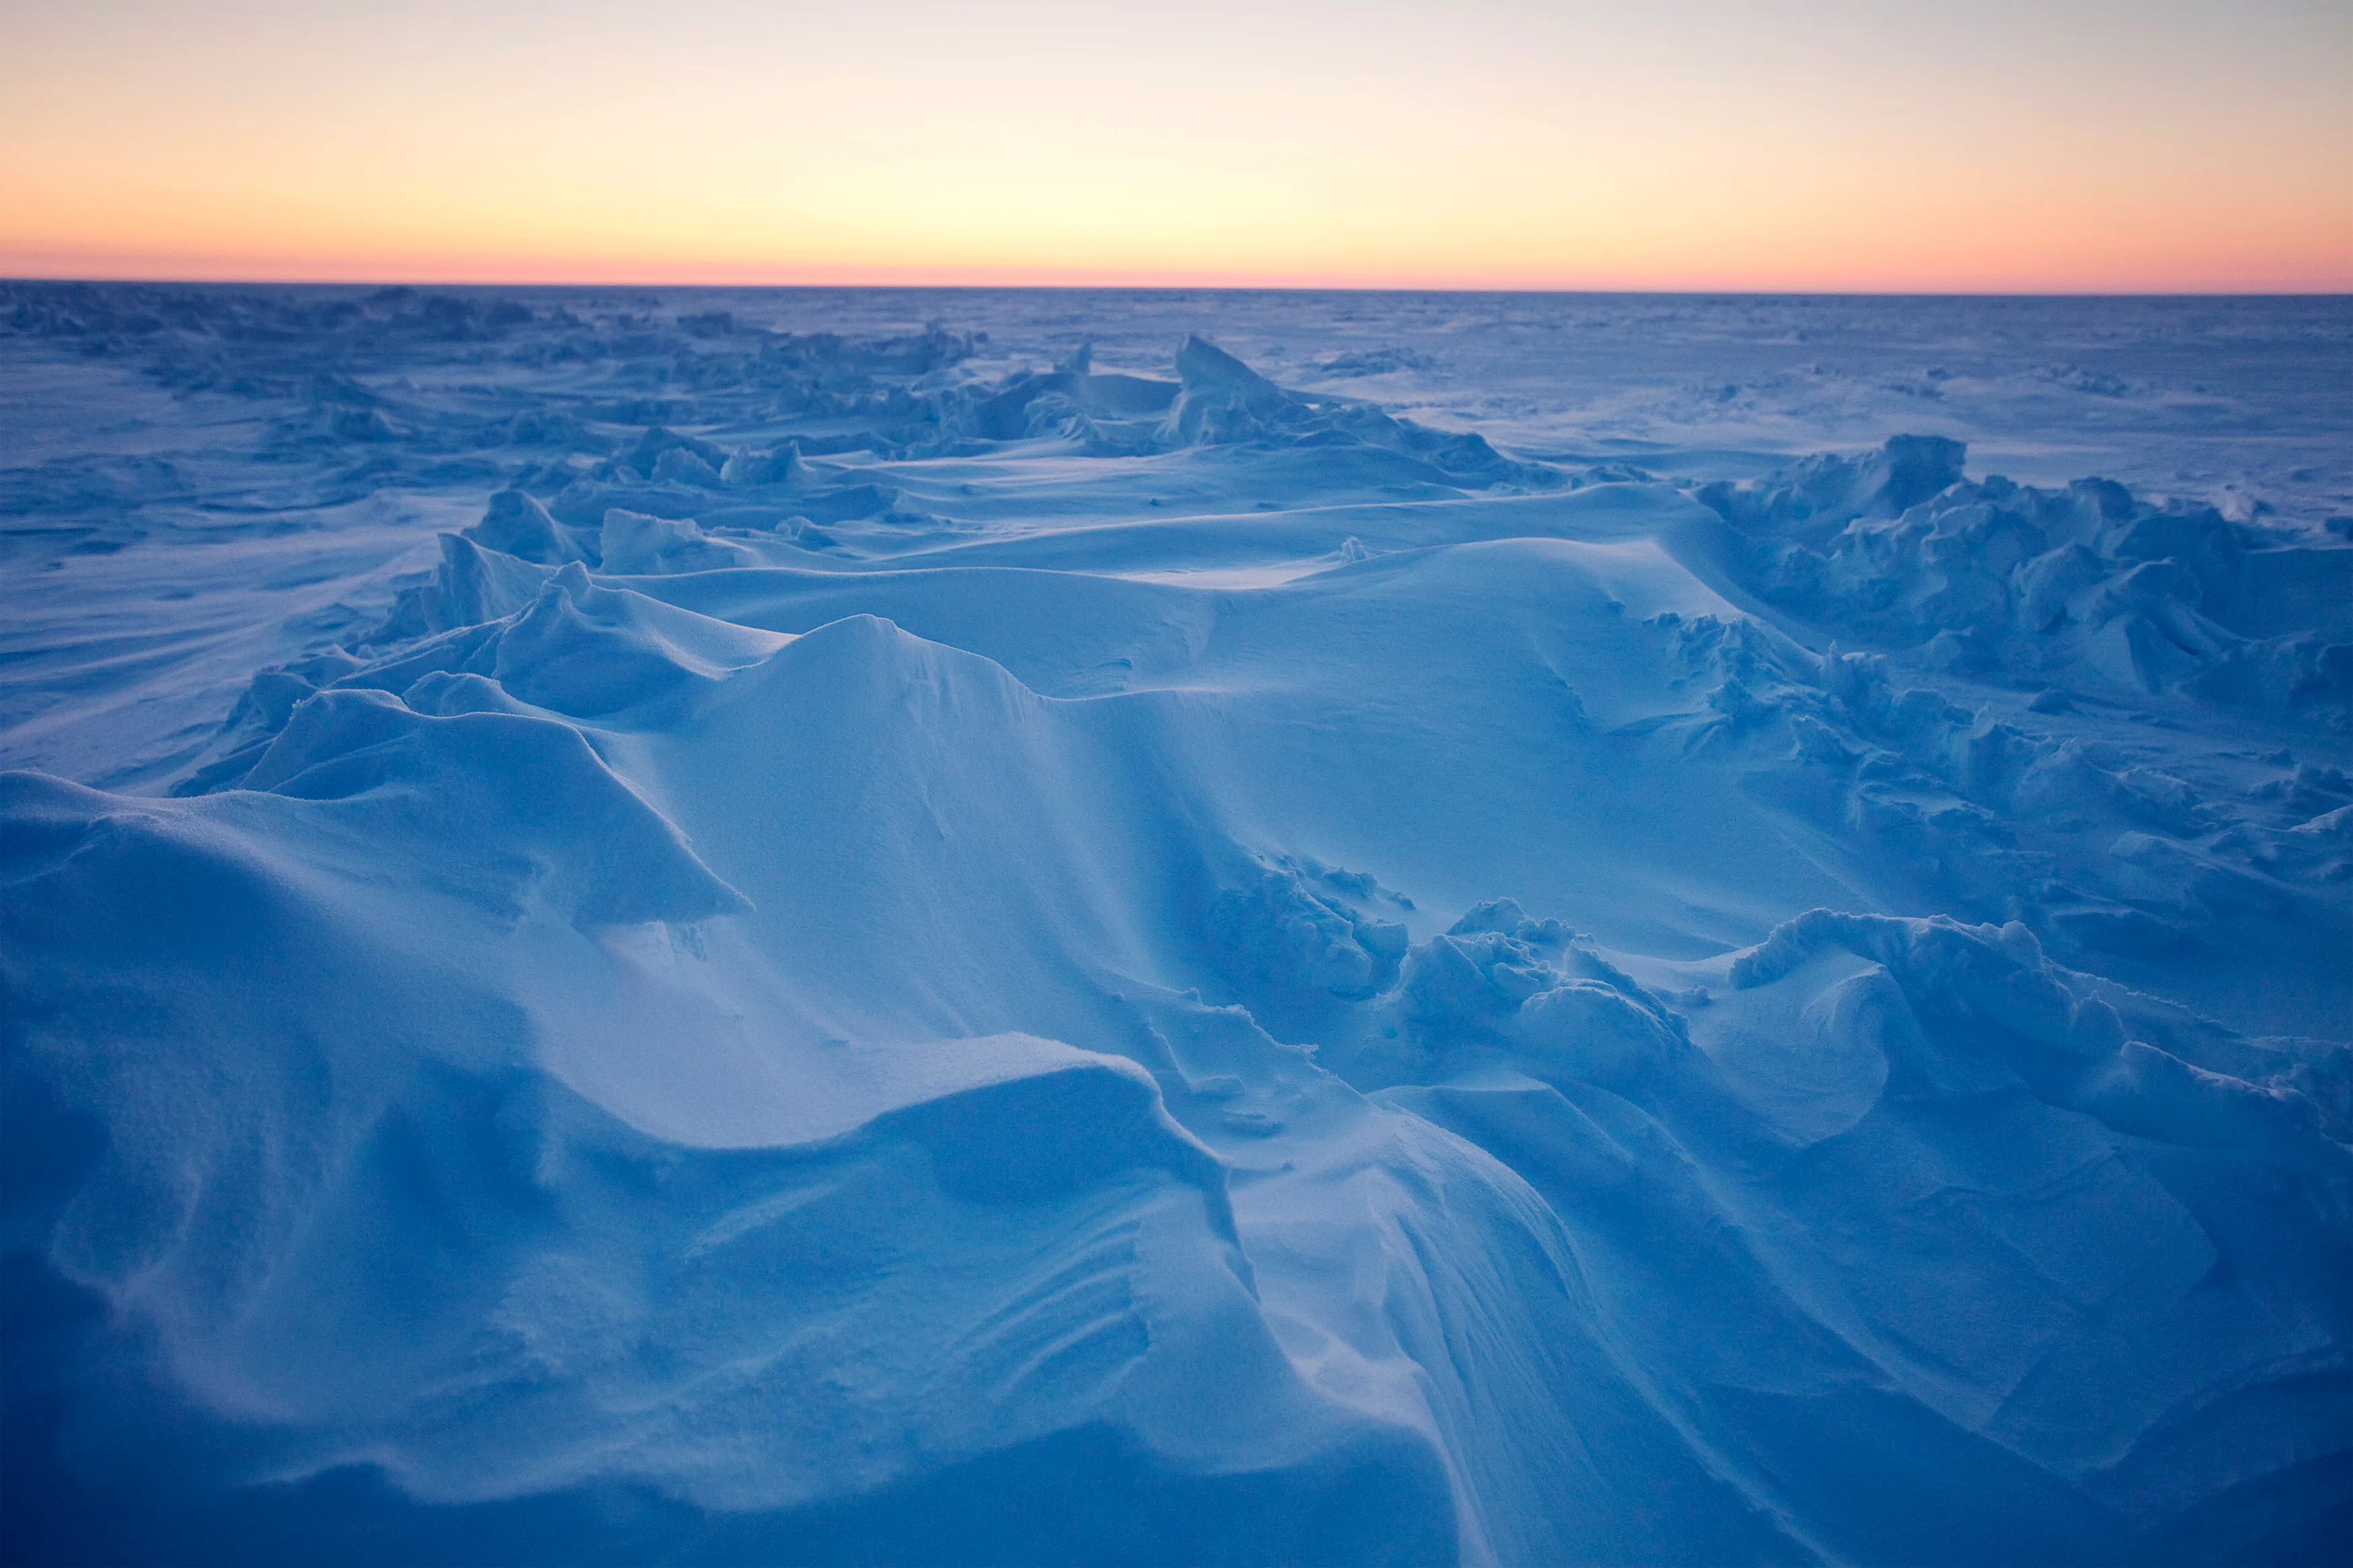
{"x": 520, "y": 525}
{"x": 633, "y": 543}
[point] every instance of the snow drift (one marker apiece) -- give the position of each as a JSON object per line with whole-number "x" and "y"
{"x": 812, "y": 993}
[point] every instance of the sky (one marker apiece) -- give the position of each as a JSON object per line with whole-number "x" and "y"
{"x": 1880, "y": 145}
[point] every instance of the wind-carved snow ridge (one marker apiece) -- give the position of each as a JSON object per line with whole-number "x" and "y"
{"x": 806, "y": 942}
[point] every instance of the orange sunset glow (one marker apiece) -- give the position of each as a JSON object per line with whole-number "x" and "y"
{"x": 1898, "y": 147}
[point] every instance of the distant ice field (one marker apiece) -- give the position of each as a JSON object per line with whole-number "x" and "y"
{"x": 999, "y": 926}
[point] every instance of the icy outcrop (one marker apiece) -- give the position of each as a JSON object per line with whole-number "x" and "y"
{"x": 634, "y": 544}
{"x": 2089, "y": 586}
{"x": 1219, "y": 402}
{"x": 1498, "y": 984}
{"x": 1304, "y": 933}
{"x": 519, "y": 524}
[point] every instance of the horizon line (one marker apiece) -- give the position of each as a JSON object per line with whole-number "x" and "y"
{"x": 2333, "y": 290}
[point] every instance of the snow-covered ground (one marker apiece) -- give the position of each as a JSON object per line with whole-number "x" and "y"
{"x": 1005, "y": 927}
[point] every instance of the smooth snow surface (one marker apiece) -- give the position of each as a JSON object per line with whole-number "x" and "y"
{"x": 737, "y": 928}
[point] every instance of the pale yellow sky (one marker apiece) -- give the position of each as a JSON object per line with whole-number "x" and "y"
{"x": 1819, "y": 145}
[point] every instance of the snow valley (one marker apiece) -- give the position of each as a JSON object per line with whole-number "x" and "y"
{"x": 1013, "y": 926}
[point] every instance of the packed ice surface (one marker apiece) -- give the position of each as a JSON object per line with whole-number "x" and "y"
{"x": 993, "y": 928}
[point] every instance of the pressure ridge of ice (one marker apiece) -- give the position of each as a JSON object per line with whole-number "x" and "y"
{"x": 719, "y": 929}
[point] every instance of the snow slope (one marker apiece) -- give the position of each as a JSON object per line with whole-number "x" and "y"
{"x": 733, "y": 928}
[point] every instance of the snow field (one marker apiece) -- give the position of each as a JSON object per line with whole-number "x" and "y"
{"x": 886, "y": 956}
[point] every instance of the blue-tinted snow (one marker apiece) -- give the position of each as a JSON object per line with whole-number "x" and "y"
{"x": 997, "y": 927}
